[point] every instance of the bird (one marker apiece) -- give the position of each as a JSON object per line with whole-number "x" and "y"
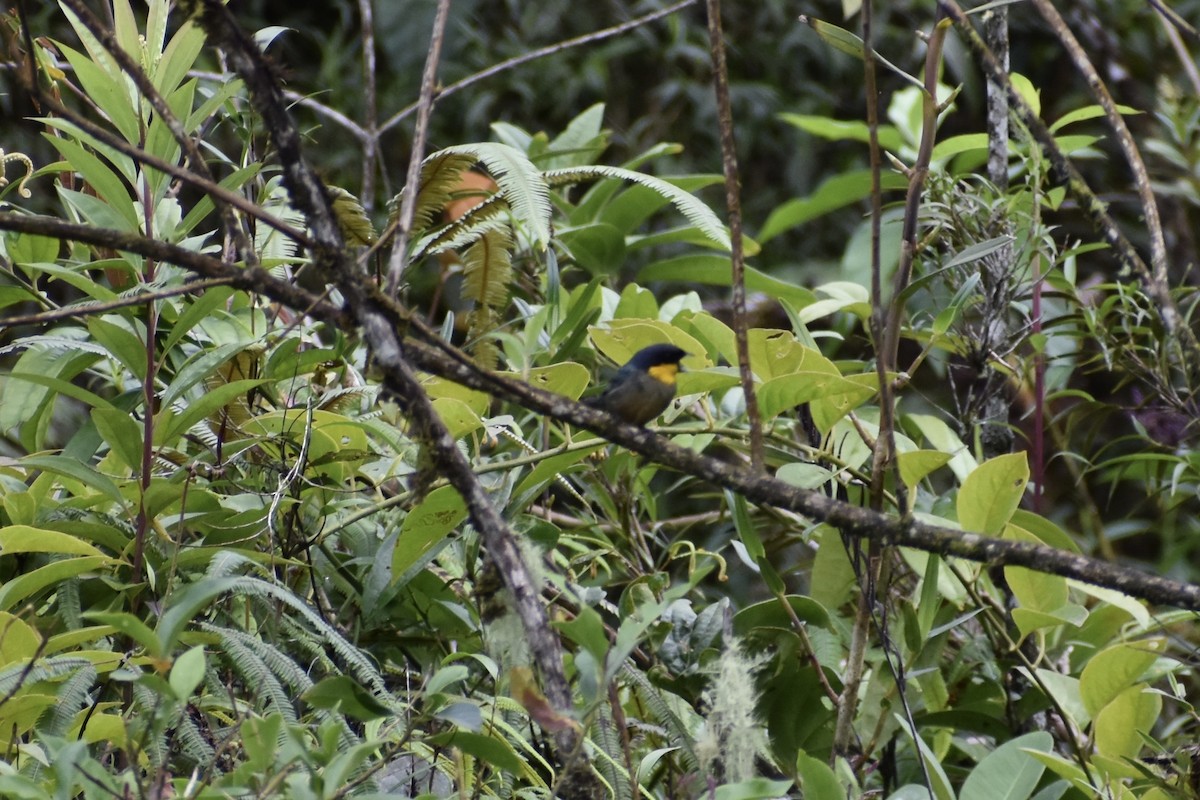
{"x": 644, "y": 387}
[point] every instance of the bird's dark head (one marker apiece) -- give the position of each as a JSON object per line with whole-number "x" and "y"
{"x": 660, "y": 361}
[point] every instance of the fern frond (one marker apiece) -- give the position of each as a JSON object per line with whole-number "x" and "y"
{"x": 439, "y": 179}
{"x": 359, "y": 665}
{"x": 190, "y": 742}
{"x": 487, "y": 273}
{"x": 352, "y": 218}
{"x": 489, "y": 215}
{"x": 521, "y": 184}
{"x": 666, "y": 716}
{"x": 487, "y": 269}
{"x": 15, "y": 675}
{"x": 610, "y": 761}
{"x": 246, "y": 654}
{"x": 70, "y": 699}
{"x": 346, "y": 398}
{"x": 695, "y": 211}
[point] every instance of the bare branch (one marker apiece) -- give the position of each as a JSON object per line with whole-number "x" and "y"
{"x": 412, "y": 181}
{"x": 716, "y": 44}
{"x": 439, "y": 358}
{"x": 533, "y": 55}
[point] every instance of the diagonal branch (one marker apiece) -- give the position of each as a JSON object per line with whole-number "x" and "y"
{"x": 733, "y": 202}
{"x": 438, "y": 358}
{"x": 1091, "y": 205}
{"x": 380, "y": 330}
{"x": 533, "y": 55}
{"x": 412, "y": 182}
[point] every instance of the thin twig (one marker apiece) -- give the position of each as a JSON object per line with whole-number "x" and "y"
{"x": 533, "y": 55}
{"x": 380, "y": 317}
{"x": 1141, "y": 179}
{"x": 716, "y": 44}
{"x": 207, "y": 185}
{"x": 1186, "y": 61}
{"x": 371, "y": 143}
{"x": 87, "y": 309}
{"x": 1091, "y": 205}
{"x": 439, "y": 358}
{"x": 847, "y": 706}
{"x": 104, "y": 34}
{"x": 412, "y": 182}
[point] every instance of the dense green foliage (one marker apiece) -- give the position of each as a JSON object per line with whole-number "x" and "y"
{"x": 225, "y": 566}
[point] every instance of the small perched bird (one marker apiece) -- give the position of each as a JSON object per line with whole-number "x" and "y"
{"x": 645, "y": 386}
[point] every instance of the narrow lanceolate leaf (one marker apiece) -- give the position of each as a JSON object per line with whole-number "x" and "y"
{"x": 695, "y": 211}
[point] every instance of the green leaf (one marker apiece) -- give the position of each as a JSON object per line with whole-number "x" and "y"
{"x": 342, "y": 694}
{"x": 846, "y": 42}
{"x": 688, "y": 204}
{"x": 203, "y": 406}
{"x": 26, "y": 539}
{"x": 71, "y": 468}
{"x": 599, "y": 248}
{"x": 439, "y": 388}
{"x": 817, "y": 781}
{"x": 917, "y": 464}
{"x": 838, "y": 396}
{"x": 956, "y": 145}
{"x": 587, "y": 631}
{"x": 1028, "y": 92}
{"x": 715, "y": 270}
{"x": 107, "y": 184}
{"x": 491, "y": 750}
{"x": 939, "y": 782}
{"x": 992, "y": 492}
{"x": 28, "y": 248}
{"x": 459, "y": 418}
{"x": 625, "y": 337}
{"x": 178, "y": 57}
{"x": 837, "y": 192}
{"x": 201, "y": 365}
{"x": 260, "y": 738}
{"x": 567, "y": 378}
{"x": 753, "y": 789}
{"x": 130, "y": 626}
{"x": 772, "y": 614}
{"x": 121, "y": 343}
{"x": 105, "y": 88}
{"x": 833, "y": 577}
{"x": 938, "y": 433}
{"x": 1114, "y": 670}
{"x": 1009, "y": 772}
{"x": 187, "y": 673}
{"x": 1125, "y": 720}
{"x": 837, "y": 130}
{"x": 1035, "y": 591}
{"x": 545, "y": 471}
{"x": 426, "y": 525}
{"x": 185, "y": 605}
{"x": 1086, "y": 113}
{"x": 14, "y": 590}
{"x": 18, "y": 640}
{"x": 121, "y": 433}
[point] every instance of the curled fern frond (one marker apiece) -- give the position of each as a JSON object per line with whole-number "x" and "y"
{"x": 487, "y": 273}
{"x": 695, "y": 211}
{"x": 439, "y": 180}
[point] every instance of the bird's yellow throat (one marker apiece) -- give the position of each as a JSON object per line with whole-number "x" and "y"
{"x": 664, "y": 372}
